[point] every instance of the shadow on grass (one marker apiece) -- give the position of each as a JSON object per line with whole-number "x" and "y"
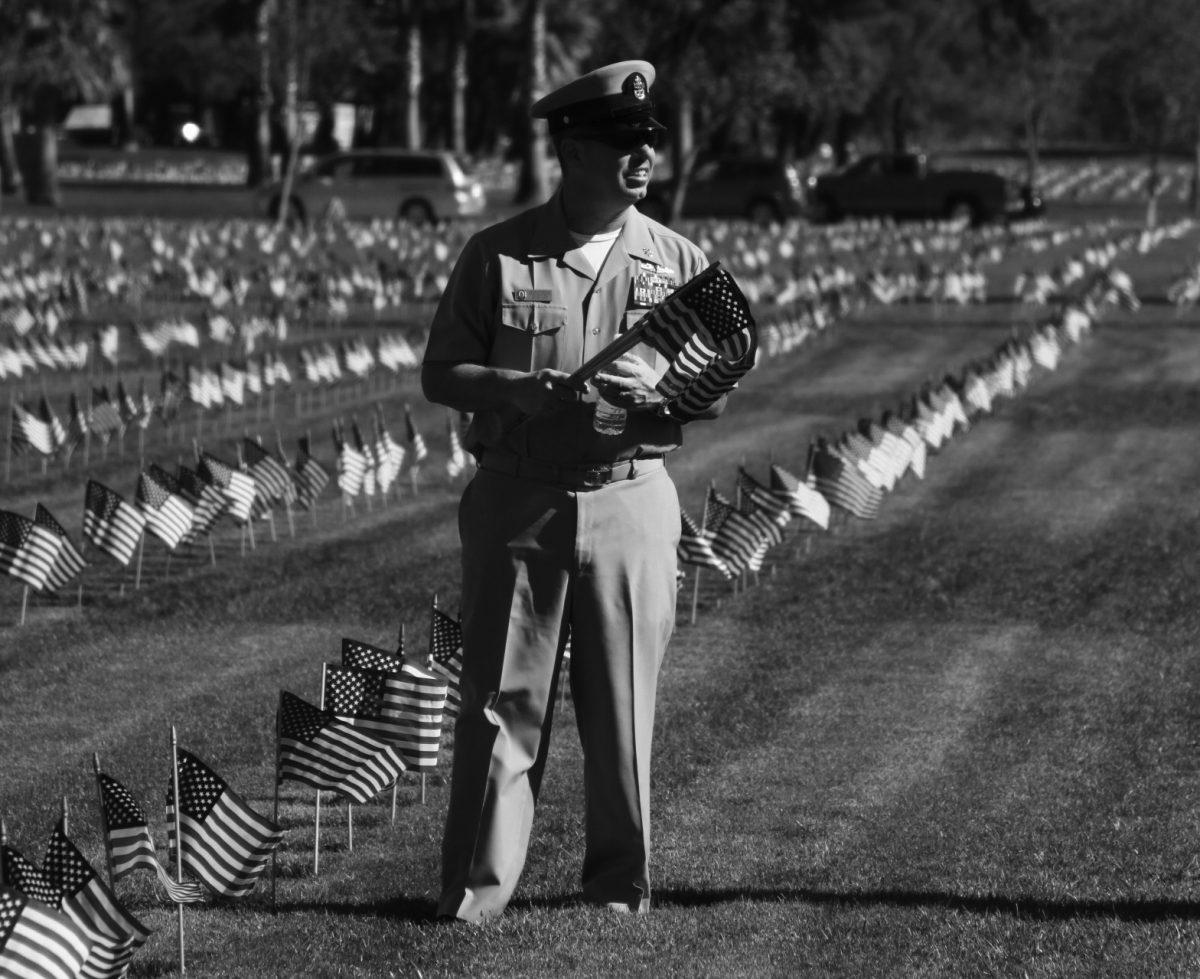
{"x": 1021, "y": 906}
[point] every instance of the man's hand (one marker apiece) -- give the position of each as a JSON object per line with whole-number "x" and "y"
{"x": 541, "y": 390}
{"x": 628, "y": 382}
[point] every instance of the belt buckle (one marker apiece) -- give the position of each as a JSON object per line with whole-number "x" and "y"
{"x": 595, "y": 476}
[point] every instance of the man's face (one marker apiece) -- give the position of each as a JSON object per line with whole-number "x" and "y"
{"x": 616, "y": 166}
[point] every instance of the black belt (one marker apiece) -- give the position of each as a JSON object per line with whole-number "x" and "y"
{"x": 568, "y": 477}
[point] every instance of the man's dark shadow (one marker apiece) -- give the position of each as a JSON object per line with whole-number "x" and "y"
{"x": 1146, "y": 909}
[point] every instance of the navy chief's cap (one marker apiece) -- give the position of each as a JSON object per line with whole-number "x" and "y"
{"x": 613, "y": 98}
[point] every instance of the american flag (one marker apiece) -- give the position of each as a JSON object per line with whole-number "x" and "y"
{"x": 695, "y": 547}
{"x": 371, "y": 471}
{"x": 416, "y": 441}
{"x": 30, "y": 430}
{"x": 403, "y": 708}
{"x": 69, "y": 562}
{"x": 233, "y": 383}
{"x": 843, "y": 484}
{"x": 208, "y": 502}
{"x": 310, "y": 476}
{"x": 26, "y": 877}
{"x": 239, "y": 487}
{"x": 363, "y": 656}
{"x": 168, "y": 515}
{"x": 446, "y": 654}
{"x": 38, "y": 942}
{"x": 125, "y": 404}
{"x": 130, "y": 846}
{"x": 904, "y": 430}
{"x": 857, "y": 448}
{"x": 736, "y": 540}
{"x": 86, "y": 900}
{"x": 389, "y": 452}
{"x": 764, "y": 506}
{"x": 317, "y": 749}
{"x": 58, "y": 434}
{"x": 78, "y": 420}
{"x": 27, "y": 552}
{"x": 802, "y": 499}
{"x": 351, "y": 464}
{"x": 456, "y": 461}
{"x": 273, "y": 481}
{"x": 104, "y": 417}
{"x": 225, "y": 843}
{"x": 110, "y": 523}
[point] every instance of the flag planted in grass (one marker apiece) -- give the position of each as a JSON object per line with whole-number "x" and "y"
{"x": 168, "y": 515}
{"x": 446, "y": 653}
{"x": 310, "y": 476}
{"x": 317, "y": 749}
{"x": 238, "y": 487}
{"x": 416, "y": 441}
{"x": 130, "y": 846}
{"x": 736, "y": 539}
{"x": 363, "y": 656}
{"x": 29, "y": 430}
{"x": 28, "y": 552}
{"x": 225, "y": 843}
{"x": 115, "y": 934}
{"x": 271, "y": 478}
{"x": 695, "y": 547}
{"x": 351, "y": 464}
{"x": 38, "y": 942}
{"x": 208, "y": 502}
{"x": 844, "y": 485}
{"x": 110, "y": 523}
{"x": 69, "y": 561}
{"x": 403, "y": 708}
{"x": 802, "y": 499}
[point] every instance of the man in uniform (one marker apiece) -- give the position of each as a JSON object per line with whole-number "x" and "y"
{"x": 569, "y": 528}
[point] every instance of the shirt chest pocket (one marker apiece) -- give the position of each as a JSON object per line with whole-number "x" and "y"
{"x": 528, "y": 336}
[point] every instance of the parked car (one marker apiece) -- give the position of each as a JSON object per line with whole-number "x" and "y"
{"x": 422, "y": 186}
{"x": 759, "y": 190}
{"x": 904, "y": 185}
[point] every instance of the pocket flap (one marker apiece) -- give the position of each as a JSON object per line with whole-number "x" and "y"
{"x": 535, "y": 318}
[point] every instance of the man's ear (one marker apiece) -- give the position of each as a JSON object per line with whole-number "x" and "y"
{"x": 568, "y": 151}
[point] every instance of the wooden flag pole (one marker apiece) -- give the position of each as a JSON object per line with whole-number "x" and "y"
{"x": 24, "y": 603}
{"x": 103, "y": 820}
{"x": 178, "y": 840}
{"x": 137, "y": 580}
{"x": 317, "y": 813}
{"x": 350, "y": 826}
{"x": 275, "y": 811}
{"x": 396, "y": 784}
{"x": 696, "y": 583}
{"x": 65, "y": 814}
{"x": 3, "y": 844}
{"x": 12, "y": 414}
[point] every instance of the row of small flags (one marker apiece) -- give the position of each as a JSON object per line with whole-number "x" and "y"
{"x": 41, "y": 429}
{"x": 180, "y": 508}
{"x": 853, "y": 473}
{"x": 380, "y": 715}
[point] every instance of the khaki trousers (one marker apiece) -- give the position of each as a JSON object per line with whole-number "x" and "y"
{"x": 537, "y": 560}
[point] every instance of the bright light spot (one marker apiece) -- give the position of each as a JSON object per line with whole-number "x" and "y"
{"x": 190, "y": 131}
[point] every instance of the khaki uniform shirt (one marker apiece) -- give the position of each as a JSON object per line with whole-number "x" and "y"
{"x": 522, "y": 296}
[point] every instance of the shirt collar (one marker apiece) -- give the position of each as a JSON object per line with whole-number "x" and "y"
{"x": 552, "y": 239}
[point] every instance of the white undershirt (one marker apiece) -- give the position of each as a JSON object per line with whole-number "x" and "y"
{"x": 595, "y": 248}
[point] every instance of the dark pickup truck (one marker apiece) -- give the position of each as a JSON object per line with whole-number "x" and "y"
{"x": 905, "y": 186}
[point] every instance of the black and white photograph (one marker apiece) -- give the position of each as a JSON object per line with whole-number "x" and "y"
{"x": 542, "y": 488}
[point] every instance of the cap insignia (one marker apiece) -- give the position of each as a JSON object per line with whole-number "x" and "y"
{"x": 635, "y": 85}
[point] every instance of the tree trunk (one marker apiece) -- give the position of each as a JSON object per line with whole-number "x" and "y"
{"x": 534, "y": 183}
{"x": 11, "y": 181}
{"x": 412, "y": 81}
{"x": 1194, "y": 192}
{"x": 1033, "y": 120}
{"x": 899, "y": 131}
{"x": 45, "y": 189}
{"x": 458, "y": 98}
{"x": 685, "y": 155}
{"x": 259, "y": 157}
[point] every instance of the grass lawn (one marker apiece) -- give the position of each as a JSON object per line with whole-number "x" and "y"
{"x": 958, "y": 741}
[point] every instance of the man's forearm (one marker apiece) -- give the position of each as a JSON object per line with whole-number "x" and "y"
{"x": 469, "y": 387}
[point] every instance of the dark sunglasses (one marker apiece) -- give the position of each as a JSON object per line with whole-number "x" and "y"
{"x": 627, "y": 142}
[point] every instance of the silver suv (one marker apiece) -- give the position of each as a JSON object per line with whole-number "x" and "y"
{"x": 421, "y": 186}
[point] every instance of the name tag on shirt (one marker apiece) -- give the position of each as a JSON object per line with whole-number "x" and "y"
{"x": 652, "y": 284}
{"x": 532, "y": 295}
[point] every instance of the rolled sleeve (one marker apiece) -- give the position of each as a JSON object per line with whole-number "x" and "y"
{"x": 463, "y": 326}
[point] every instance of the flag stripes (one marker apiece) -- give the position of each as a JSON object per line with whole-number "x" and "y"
{"x": 110, "y": 523}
